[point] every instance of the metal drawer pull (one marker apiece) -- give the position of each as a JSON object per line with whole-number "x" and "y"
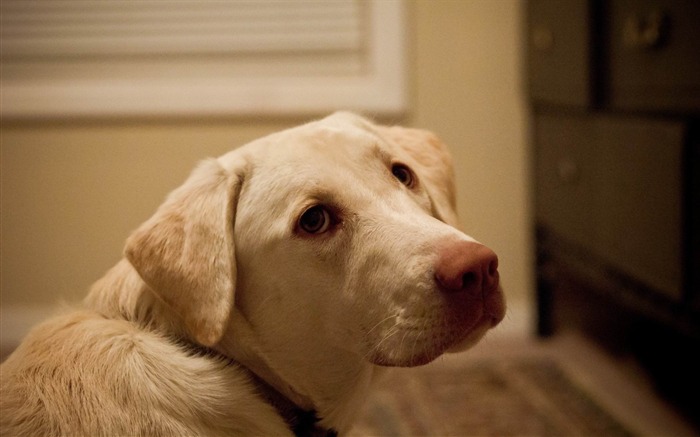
{"x": 542, "y": 39}
{"x": 568, "y": 171}
{"x": 646, "y": 33}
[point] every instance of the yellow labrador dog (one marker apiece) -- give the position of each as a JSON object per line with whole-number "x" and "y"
{"x": 266, "y": 294}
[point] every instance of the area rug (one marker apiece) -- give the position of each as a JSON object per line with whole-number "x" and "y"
{"x": 513, "y": 396}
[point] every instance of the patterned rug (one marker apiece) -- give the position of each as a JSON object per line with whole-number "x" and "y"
{"x": 488, "y": 397}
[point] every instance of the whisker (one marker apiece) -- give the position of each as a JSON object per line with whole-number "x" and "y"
{"x": 380, "y": 322}
{"x": 392, "y": 331}
{"x": 415, "y": 340}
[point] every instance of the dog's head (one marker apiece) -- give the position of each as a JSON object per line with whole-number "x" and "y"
{"x": 336, "y": 234}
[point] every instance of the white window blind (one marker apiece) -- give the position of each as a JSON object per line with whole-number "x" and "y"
{"x": 180, "y": 57}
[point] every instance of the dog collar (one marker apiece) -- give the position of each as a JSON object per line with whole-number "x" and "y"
{"x": 303, "y": 423}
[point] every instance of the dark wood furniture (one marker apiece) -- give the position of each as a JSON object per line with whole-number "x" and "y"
{"x": 614, "y": 88}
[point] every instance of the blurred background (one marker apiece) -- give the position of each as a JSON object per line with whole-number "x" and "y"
{"x": 573, "y": 126}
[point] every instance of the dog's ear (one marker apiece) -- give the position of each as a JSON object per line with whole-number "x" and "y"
{"x": 185, "y": 252}
{"x": 433, "y": 163}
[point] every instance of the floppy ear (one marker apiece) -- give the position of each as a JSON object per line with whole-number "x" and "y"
{"x": 433, "y": 164}
{"x": 185, "y": 252}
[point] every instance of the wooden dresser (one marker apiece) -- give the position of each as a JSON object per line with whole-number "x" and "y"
{"x": 614, "y": 88}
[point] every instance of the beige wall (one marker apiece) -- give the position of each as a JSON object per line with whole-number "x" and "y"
{"x": 469, "y": 88}
{"x": 73, "y": 190}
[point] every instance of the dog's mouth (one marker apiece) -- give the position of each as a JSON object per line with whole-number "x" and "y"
{"x": 494, "y": 312}
{"x": 417, "y": 337}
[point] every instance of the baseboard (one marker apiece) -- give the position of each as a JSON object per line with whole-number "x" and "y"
{"x": 518, "y": 322}
{"x": 17, "y": 320}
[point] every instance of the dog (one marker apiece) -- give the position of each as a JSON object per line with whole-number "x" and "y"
{"x": 266, "y": 294}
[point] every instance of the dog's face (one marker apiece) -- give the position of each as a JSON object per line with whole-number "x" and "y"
{"x": 338, "y": 234}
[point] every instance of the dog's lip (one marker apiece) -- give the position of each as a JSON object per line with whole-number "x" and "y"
{"x": 493, "y": 311}
{"x": 471, "y": 335}
{"x": 471, "y": 317}
{"x": 495, "y": 305}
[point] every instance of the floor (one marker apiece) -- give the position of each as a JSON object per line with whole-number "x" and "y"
{"x": 614, "y": 382}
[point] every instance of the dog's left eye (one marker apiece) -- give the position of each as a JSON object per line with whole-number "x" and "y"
{"x": 315, "y": 220}
{"x": 403, "y": 174}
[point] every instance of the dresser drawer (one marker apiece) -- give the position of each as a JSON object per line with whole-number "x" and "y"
{"x": 559, "y": 59}
{"x": 565, "y": 156}
{"x": 654, "y": 59}
{"x": 614, "y": 187}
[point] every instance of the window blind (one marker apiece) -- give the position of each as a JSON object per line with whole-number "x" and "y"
{"x": 164, "y": 57}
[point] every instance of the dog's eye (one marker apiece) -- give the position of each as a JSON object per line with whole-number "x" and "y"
{"x": 403, "y": 174}
{"x": 315, "y": 220}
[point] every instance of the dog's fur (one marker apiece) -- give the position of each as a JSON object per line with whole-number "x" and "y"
{"x": 225, "y": 281}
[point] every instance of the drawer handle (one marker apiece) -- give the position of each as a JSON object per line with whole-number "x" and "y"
{"x": 542, "y": 38}
{"x": 646, "y": 33}
{"x": 568, "y": 171}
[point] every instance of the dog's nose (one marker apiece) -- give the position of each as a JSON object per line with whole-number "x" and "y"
{"x": 468, "y": 267}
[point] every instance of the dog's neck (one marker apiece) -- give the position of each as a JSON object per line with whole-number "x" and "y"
{"x": 334, "y": 384}
{"x": 303, "y": 423}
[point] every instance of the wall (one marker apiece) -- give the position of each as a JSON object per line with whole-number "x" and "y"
{"x": 469, "y": 88}
{"x": 73, "y": 190}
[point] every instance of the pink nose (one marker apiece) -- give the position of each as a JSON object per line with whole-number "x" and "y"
{"x": 467, "y": 267}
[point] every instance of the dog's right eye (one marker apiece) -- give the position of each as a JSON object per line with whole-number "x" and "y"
{"x": 315, "y": 220}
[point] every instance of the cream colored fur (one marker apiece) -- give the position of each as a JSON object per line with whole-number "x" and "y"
{"x": 223, "y": 265}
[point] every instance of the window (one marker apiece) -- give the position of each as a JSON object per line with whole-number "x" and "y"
{"x": 171, "y": 57}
